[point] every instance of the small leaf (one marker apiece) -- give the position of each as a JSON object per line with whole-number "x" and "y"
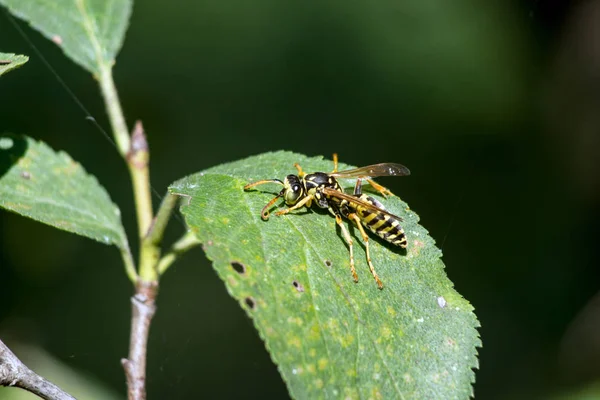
{"x": 50, "y": 187}
{"x": 331, "y": 337}
{"x": 90, "y": 32}
{"x": 10, "y": 61}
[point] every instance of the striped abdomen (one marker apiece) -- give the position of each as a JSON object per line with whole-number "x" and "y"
{"x": 384, "y": 225}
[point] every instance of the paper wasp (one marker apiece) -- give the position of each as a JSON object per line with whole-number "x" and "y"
{"x": 324, "y": 190}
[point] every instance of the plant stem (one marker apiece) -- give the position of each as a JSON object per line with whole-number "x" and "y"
{"x": 138, "y": 158}
{"x": 14, "y": 373}
{"x": 143, "y": 309}
{"x": 186, "y": 242}
{"x": 157, "y": 228}
{"x": 136, "y": 153}
{"x": 113, "y": 108}
{"x": 129, "y": 264}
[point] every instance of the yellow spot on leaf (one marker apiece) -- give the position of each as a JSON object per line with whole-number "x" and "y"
{"x": 375, "y": 394}
{"x": 232, "y": 281}
{"x": 294, "y": 341}
{"x": 333, "y": 325}
{"x": 323, "y": 362}
{"x": 347, "y": 340}
{"x": 314, "y": 333}
{"x": 295, "y": 321}
{"x": 386, "y": 332}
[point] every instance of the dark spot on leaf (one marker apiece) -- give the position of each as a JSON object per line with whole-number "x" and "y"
{"x": 238, "y": 267}
{"x": 250, "y": 302}
{"x": 328, "y": 263}
{"x": 25, "y": 175}
{"x": 298, "y": 286}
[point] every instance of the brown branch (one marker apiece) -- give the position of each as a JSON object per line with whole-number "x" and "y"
{"x": 14, "y": 373}
{"x": 143, "y": 309}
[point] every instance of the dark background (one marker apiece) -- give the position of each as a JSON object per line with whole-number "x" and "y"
{"x": 494, "y": 106}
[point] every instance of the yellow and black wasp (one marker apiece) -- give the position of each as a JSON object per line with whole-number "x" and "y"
{"x": 324, "y": 190}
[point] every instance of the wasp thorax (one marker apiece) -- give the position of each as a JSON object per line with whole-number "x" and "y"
{"x": 292, "y": 189}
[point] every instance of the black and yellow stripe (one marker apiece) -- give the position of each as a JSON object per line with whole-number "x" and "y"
{"x": 383, "y": 225}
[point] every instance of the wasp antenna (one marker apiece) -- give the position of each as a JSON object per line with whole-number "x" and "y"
{"x": 335, "y": 163}
{"x": 264, "y": 214}
{"x": 301, "y": 173}
{"x": 251, "y": 185}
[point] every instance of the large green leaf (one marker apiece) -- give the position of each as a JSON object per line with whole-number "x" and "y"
{"x": 10, "y": 61}
{"x": 90, "y": 32}
{"x": 331, "y": 337}
{"x": 50, "y": 187}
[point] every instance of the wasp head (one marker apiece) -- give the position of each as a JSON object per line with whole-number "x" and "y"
{"x": 293, "y": 190}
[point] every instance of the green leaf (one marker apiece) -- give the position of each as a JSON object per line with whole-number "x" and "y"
{"x": 10, "y": 61}
{"x": 90, "y": 32}
{"x": 50, "y": 187}
{"x": 331, "y": 337}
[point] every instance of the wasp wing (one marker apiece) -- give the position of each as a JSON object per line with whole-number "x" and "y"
{"x": 358, "y": 201}
{"x": 371, "y": 171}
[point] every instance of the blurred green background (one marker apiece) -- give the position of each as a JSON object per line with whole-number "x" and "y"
{"x": 492, "y": 105}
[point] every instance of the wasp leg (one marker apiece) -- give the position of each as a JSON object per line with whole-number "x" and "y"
{"x": 365, "y": 238}
{"x": 358, "y": 188}
{"x": 300, "y": 204}
{"x": 335, "y": 163}
{"x": 346, "y": 234}
{"x": 385, "y": 192}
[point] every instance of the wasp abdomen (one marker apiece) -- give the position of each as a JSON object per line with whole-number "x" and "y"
{"x": 383, "y": 225}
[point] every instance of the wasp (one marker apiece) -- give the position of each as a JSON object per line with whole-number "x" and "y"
{"x": 323, "y": 189}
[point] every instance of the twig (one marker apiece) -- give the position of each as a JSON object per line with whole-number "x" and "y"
{"x": 143, "y": 309}
{"x": 157, "y": 228}
{"x": 113, "y": 107}
{"x": 129, "y": 264}
{"x": 185, "y": 243}
{"x": 138, "y": 158}
{"x": 143, "y": 302}
{"x": 134, "y": 149}
{"x": 14, "y": 373}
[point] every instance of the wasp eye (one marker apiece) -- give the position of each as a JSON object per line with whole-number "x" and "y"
{"x": 293, "y": 194}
